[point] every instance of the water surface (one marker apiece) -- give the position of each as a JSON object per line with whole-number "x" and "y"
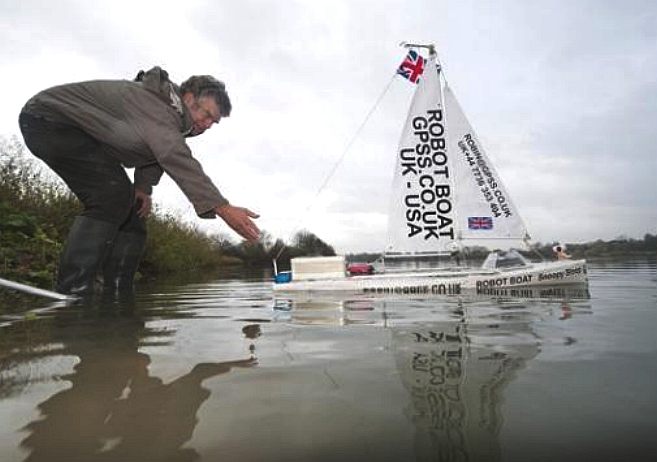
{"x": 226, "y": 371}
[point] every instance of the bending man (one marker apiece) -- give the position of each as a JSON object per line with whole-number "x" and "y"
{"x": 88, "y": 132}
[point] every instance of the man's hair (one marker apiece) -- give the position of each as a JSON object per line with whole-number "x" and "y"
{"x": 206, "y": 85}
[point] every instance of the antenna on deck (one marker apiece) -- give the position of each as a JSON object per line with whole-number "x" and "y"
{"x": 34, "y": 290}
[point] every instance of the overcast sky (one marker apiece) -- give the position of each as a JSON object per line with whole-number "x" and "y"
{"x": 562, "y": 93}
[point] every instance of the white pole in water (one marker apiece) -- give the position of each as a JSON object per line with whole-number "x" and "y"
{"x": 34, "y": 290}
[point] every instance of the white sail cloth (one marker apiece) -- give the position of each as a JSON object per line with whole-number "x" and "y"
{"x": 421, "y": 216}
{"x": 485, "y": 209}
{"x": 444, "y": 187}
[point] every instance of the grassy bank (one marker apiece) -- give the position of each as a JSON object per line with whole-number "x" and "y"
{"x": 36, "y": 211}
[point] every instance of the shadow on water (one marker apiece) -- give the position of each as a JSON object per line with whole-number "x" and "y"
{"x": 113, "y": 409}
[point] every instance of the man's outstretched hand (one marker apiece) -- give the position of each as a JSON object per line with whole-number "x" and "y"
{"x": 239, "y": 218}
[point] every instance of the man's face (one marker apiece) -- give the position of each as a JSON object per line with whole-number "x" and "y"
{"x": 204, "y": 112}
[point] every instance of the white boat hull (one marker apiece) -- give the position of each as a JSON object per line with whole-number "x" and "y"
{"x": 448, "y": 282}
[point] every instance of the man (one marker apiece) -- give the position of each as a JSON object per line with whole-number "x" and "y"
{"x": 88, "y": 131}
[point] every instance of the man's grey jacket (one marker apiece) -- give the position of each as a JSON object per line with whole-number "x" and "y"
{"x": 143, "y": 124}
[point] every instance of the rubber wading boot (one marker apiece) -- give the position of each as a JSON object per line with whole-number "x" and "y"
{"x": 83, "y": 253}
{"x": 120, "y": 265}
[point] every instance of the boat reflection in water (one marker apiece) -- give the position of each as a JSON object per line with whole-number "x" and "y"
{"x": 455, "y": 374}
{"x": 455, "y": 361}
{"x": 342, "y": 309}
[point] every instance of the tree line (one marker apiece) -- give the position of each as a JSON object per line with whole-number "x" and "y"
{"x": 616, "y": 248}
{"x": 36, "y": 211}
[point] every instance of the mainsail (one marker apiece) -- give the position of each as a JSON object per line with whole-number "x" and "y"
{"x": 421, "y": 218}
{"x": 444, "y": 187}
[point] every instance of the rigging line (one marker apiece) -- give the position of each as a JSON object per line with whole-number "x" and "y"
{"x": 351, "y": 142}
{"x": 342, "y": 156}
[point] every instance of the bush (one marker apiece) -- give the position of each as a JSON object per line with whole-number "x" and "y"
{"x": 175, "y": 246}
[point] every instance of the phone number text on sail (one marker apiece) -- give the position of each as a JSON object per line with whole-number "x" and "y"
{"x": 484, "y": 177}
{"x": 428, "y": 201}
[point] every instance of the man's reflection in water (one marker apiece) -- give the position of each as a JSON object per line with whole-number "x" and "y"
{"x": 114, "y": 409}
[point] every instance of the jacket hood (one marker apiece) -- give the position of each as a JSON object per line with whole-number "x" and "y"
{"x": 156, "y": 80}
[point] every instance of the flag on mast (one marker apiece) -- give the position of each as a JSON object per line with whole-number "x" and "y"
{"x": 412, "y": 66}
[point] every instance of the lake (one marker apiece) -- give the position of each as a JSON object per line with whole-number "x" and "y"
{"x": 226, "y": 371}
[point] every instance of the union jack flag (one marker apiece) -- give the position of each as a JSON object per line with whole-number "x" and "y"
{"x": 480, "y": 222}
{"x": 412, "y": 66}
